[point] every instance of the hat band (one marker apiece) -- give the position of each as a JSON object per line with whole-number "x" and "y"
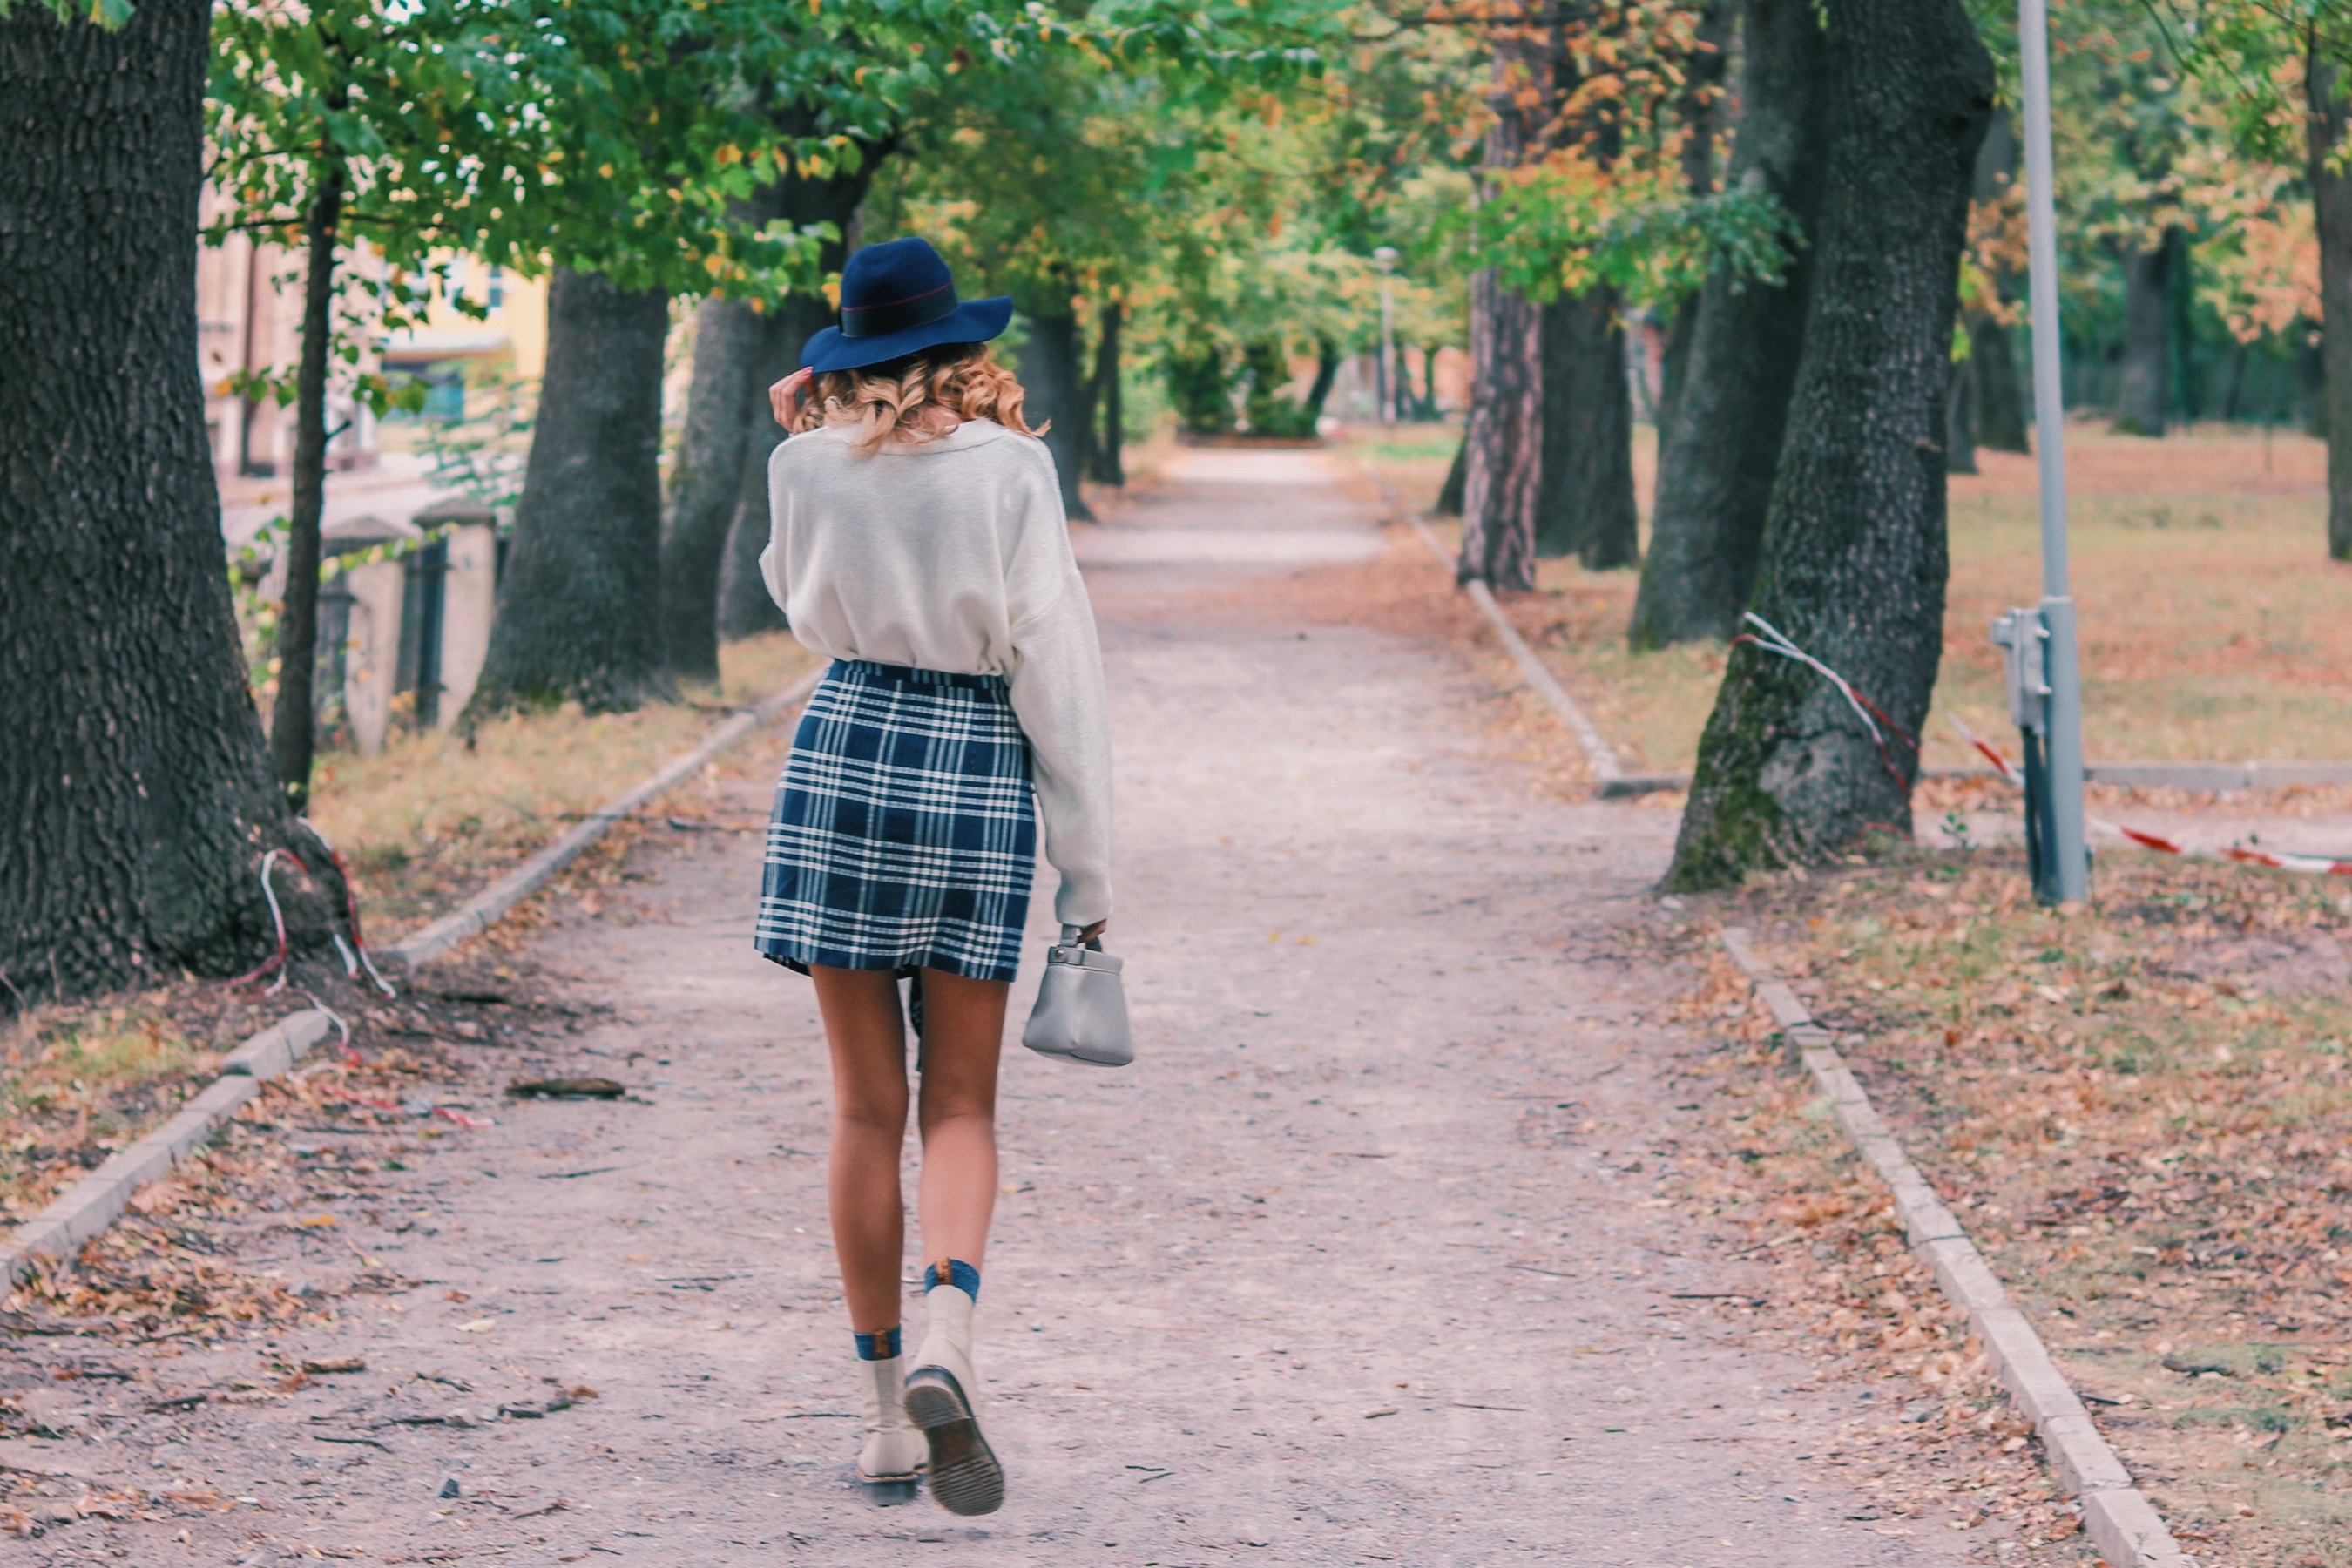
{"x": 898, "y": 315}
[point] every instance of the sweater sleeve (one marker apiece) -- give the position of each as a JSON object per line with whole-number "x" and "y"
{"x": 1059, "y": 695}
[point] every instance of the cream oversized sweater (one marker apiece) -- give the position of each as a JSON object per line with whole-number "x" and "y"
{"x": 954, "y": 555}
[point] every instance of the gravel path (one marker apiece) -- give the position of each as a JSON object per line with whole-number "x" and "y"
{"x": 1360, "y": 1262}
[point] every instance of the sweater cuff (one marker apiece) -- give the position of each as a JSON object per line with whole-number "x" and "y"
{"x": 1082, "y": 901}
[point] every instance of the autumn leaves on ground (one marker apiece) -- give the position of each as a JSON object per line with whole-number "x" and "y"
{"x": 2140, "y": 1110}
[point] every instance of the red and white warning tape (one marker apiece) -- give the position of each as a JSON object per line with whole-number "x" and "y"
{"x": 1772, "y": 639}
{"x": 2316, "y": 865}
{"x": 354, "y": 953}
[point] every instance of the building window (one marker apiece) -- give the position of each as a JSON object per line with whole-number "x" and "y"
{"x": 498, "y": 286}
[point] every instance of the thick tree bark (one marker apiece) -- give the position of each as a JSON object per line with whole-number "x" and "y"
{"x": 1719, "y": 452}
{"x": 136, "y": 792}
{"x": 293, "y": 717}
{"x": 1855, "y": 558}
{"x": 1999, "y": 400}
{"x": 1051, "y": 374}
{"x": 1584, "y": 499}
{"x": 2144, "y": 398}
{"x": 1503, "y": 444}
{"x": 579, "y": 605}
{"x": 1107, "y": 465}
{"x": 2332, "y": 205}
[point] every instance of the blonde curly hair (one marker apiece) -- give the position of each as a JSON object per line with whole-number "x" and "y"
{"x": 885, "y": 403}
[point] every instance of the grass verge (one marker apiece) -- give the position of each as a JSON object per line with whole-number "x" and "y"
{"x": 431, "y": 819}
{"x": 2141, "y": 1110}
{"x": 2214, "y": 627}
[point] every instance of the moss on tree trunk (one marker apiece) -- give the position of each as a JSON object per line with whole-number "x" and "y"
{"x": 1855, "y": 556}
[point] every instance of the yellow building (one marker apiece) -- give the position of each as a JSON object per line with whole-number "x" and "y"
{"x": 249, "y": 318}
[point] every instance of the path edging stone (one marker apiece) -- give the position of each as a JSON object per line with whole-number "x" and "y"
{"x": 2117, "y": 1516}
{"x": 91, "y": 1205}
{"x": 482, "y": 910}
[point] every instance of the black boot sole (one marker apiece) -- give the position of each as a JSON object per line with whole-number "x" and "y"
{"x": 965, "y": 1476}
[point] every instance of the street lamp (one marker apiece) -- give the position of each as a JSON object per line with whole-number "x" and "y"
{"x": 2047, "y": 672}
{"x": 1387, "y": 257}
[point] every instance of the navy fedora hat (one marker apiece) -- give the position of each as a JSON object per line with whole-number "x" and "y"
{"x": 897, "y": 299}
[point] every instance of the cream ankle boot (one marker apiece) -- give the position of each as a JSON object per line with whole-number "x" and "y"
{"x": 942, "y": 1399}
{"x": 894, "y": 1451}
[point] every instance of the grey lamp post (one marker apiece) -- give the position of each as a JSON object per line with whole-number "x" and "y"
{"x": 1387, "y": 257}
{"x": 2049, "y": 684}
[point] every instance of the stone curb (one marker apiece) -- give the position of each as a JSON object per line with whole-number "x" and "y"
{"x": 2115, "y": 1516}
{"x": 87, "y": 1208}
{"x": 482, "y": 910}
{"x": 1609, "y": 775}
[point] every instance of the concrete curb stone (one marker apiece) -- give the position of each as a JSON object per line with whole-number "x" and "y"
{"x": 482, "y": 910}
{"x": 2119, "y": 1519}
{"x": 94, "y": 1201}
{"x": 91, "y": 1205}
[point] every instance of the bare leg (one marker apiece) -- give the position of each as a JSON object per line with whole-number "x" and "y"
{"x": 963, "y": 1030}
{"x": 868, "y": 1038}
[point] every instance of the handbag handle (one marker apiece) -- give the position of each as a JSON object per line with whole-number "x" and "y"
{"x": 1070, "y": 938}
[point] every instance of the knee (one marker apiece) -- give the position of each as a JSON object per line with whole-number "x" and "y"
{"x": 943, "y": 1106}
{"x": 882, "y": 1115}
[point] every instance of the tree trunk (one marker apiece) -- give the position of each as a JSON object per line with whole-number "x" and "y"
{"x": 1503, "y": 444}
{"x": 1049, "y": 370}
{"x": 293, "y": 717}
{"x": 1457, "y": 479}
{"x": 1702, "y": 118}
{"x": 2143, "y": 399}
{"x": 709, "y": 476}
{"x": 1503, "y": 438}
{"x": 1961, "y": 417}
{"x": 782, "y": 329}
{"x": 1108, "y": 467}
{"x": 1717, "y": 455}
{"x": 1585, "y": 478}
{"x": 1999, "y": 402}
{"x": 719, "y": 418}
{"x": 579, "y": 613}
{"x": 1855, "y": 558}
{"x": 2332, "y": 209}
{"x": 1327, "y": 372}
{"x": 745, "y": 606}
{"x": 136, "y": 794}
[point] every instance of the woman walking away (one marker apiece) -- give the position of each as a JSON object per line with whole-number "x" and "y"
{"x": 918, "y": 540}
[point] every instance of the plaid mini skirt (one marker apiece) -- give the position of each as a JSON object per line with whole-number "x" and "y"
{"x": 905, "y": 833}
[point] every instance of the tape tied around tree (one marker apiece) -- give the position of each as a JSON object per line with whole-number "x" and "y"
{"x": 1772, "y": 639}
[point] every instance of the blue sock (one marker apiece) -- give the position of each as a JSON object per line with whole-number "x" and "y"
{"x": 878, "y": 1347}
{"x": 961, "y": 1275}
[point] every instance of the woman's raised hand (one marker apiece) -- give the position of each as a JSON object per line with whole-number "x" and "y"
{"x": 785, "y": 396}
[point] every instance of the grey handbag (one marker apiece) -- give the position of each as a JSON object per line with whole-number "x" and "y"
{"x": 1081, "y": 1012}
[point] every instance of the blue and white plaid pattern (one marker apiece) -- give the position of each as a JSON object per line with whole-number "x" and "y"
{"x": 905, "y": 834}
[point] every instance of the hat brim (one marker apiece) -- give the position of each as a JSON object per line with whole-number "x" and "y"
{"x": 974, "y": 322}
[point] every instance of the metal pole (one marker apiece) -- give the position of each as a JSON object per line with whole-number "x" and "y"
{"x": 2064, "y": 670}
{"x": 1387, "y": 257}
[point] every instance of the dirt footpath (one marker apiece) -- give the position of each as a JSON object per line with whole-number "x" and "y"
{"x": 1364, "y": 1261}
